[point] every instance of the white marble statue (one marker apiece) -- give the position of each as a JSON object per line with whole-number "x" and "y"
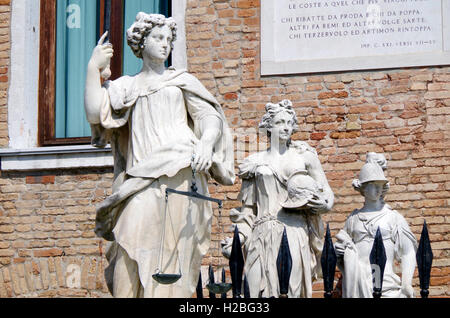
{"x": 156, "y": 122}
{"x": 355, "y": 240}
{"x": 283, "y": 187}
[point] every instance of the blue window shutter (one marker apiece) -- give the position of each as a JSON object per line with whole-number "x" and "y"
{"x": 131, "y": 64}
{"x": 76, "y": 37}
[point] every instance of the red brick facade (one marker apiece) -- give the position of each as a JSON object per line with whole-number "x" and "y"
{"x": 47, "y": 218}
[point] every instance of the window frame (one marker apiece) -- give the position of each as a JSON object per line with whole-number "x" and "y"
{"x": 47, "y": 68}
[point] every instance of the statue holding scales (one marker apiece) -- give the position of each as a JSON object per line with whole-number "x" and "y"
{"x": 162, "y": 125}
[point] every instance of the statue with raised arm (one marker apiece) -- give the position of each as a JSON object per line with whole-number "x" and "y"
{"x": 355, "y": 240}
{"x": 282, "y": 187}
{"x": 162, "y": 125}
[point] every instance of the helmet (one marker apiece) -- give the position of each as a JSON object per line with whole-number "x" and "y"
{"x": 301, "y": 188}
{"x": 371, "y": 171}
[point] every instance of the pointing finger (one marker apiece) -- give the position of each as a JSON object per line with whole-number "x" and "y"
{"x": 102, "y": 39}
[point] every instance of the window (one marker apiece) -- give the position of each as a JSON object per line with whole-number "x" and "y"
{"x": 69, "y": 30}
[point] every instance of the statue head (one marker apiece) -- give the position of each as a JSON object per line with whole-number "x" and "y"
{"x": 372, "y": 181}
{"x": 145, "y": 25}
{"x": 280, "y": 120}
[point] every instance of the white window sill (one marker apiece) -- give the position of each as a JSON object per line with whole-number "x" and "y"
{"x": 62, "y": 157}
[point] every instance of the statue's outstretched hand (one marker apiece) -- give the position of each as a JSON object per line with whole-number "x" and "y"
{"x": 101, "y": 56}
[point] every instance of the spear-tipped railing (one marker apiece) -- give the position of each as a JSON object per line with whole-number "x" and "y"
{"x": 424, "y": 259}
{"x": 328, "y": 261}
{"x": 236, "y": 265}
{"x": 284, "y": 265}
{"x": 199, "y": 288}
{"x": 211, "y": 280}
{"x": 246, "y": 288}
{"x": 378, "y": 262}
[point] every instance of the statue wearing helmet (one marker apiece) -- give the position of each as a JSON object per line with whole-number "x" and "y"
{"x": 356, "y": 239}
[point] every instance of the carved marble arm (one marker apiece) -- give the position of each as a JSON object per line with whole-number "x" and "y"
{"x": 211, "y": 131}
{"x": 94, "y": 93}
{"x": 408, "y": 263}
{"x": 209, "y": 126}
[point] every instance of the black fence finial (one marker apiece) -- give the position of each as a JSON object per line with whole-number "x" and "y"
{"x": 328, "y": 261}
{"x": 424, "y": 259}
{"x": 211, "y": 280}
{"x": 199, "y": 288}
{"x": 378, "y": 262}
{"x": 236, "y": 264}
{"x": 284, "y": 265}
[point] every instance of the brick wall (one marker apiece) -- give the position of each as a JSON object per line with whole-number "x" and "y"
{"x": 48, "y": 247}
{"x": 47, "y": 218}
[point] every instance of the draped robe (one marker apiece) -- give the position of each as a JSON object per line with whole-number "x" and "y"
{"x": 152, "y": 132}
{"x": 264, "y": 187}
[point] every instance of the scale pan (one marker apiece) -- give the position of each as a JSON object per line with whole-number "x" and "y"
{"x": 219, "y": 288}
{"x": 166, "y": 279}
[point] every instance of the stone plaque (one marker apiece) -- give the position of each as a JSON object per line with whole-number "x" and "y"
{"x": 304, "y": 36}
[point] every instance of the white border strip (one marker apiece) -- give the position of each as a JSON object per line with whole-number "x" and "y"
{"x": 24, "y": 74}
{"x": 269, "y": 43}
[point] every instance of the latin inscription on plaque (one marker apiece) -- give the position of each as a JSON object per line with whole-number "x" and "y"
{"x": 332, "y": 35}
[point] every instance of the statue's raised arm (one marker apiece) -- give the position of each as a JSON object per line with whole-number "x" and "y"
{"x": 94, "y": 93}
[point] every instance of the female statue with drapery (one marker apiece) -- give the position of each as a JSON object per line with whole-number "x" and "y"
{"x": 284, "y": 187}
{"x": 161, "y": 123}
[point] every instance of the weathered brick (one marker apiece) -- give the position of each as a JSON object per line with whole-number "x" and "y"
{"x": 48, "y": 252}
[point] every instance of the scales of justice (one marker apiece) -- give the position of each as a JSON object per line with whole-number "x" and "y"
{"x": 166, "y": 278}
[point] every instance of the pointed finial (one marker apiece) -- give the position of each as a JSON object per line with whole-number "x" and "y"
{"x": 328, "y": 261}
{"x": 236, "y": 264}
{"x": 378, "y": 262}
{"x": 199, "y": 288}
{"x": 284, "y": 265}
{"x": 211, "y": 280}
{"x": 424, "y": 259}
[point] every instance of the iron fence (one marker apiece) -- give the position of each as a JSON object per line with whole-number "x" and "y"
{"x": 377, "y": 258}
